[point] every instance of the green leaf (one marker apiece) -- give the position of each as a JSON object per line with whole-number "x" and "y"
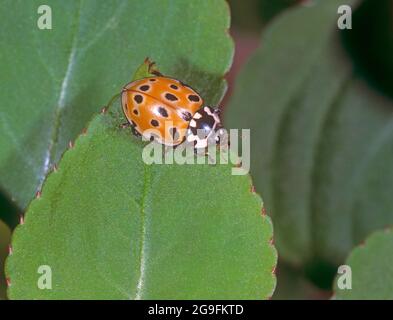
{"x": 54, "y": 80}
{"x": 371, "y": 269}
{"x": 5, "y": 238}
{"x": 321, "y": 132}
{"x": 112, "y": 227}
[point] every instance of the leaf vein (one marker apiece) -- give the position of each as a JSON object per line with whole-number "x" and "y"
{"x": 142, "y": 269}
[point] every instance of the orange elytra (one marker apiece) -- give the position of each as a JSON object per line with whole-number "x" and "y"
{"x": 167, "y": 110}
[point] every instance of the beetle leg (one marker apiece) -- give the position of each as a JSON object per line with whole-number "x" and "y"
{"x": 130, "y": 125}
{"x": 135, "y": 132}
{"x": 125, "y": 125}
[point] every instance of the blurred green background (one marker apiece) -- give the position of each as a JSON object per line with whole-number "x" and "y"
{"x": 370, "y": 49}
{"x": 358, "y": 122}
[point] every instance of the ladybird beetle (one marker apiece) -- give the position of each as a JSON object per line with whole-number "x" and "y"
{"x": 153, "y": 102}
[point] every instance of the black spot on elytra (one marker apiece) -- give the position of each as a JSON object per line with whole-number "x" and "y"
{"x": 138, "y": 98}
{"x": 152, "y": 80}
{"x": 162, "y": 111}
{"x": 144, "y": 87}
{"x": 174, "y": 133}
{"x": 154, "y": 123}
{"x": 174, "y": 87}
{"x": 193, "y": 98}
{"x": 171, "y": 97}
{"x": 186, "y": 115}
{"x": 135, "y": 111}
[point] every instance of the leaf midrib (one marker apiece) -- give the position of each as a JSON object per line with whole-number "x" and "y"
{"x": 142, "y": 249}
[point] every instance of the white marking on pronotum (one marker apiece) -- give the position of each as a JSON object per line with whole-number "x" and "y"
{"x": 197, "y": 115}
{"x": 139, "y": 287}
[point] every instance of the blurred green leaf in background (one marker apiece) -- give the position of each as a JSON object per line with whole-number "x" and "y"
{"x": 252, "y": 15}
{"x": 319, "y": 104}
